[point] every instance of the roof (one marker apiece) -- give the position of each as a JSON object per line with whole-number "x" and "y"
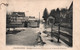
{"x": 71, "y": 6}
{"x": 18, "y": 14}
{"x": 33, "y": 19}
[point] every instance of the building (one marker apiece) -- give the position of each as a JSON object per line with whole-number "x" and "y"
{"x": 33, "y": 22}
{"x": 50, "y": 20}
{"x": 16, "y": 19}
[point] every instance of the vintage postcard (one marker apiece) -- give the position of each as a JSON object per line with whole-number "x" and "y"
{"x": 38, "y": 24}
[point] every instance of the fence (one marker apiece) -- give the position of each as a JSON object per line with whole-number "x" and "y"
{"x": 63, "y": 36}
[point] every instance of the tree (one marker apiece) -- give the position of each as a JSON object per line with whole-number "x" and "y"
{"x": 45, "y": 14}
{"x": 56, "y": 14}
{"x": 57, "y": 10}
{"x": 52, "y": 13}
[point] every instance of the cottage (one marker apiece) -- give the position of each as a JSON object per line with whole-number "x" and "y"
{"x": 16, "y": 19}
{"x": 50, "y": 20}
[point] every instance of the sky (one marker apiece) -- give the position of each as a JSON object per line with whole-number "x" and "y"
{"x": 33, "y": 7}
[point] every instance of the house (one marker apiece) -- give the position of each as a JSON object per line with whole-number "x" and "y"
{"x": 16, "y": 19}
{"x": 50, "y": 20}
{"x": 33, "y": 22}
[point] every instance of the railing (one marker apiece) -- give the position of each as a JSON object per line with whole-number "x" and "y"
{"x": 66, "y": 38}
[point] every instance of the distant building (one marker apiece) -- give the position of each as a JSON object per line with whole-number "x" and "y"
{"x": 33, "y": 22}
{"x": 17, "y": 17}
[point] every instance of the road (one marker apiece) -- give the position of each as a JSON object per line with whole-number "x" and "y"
{"x": 26, "y": 37}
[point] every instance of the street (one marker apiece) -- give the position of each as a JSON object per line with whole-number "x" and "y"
{"x": 26, "y": 37}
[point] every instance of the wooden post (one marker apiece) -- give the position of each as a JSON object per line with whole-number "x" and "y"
{"x": 58, "y": 33}
{"x": 59, "y": 28}
{"x": 51, "y": 29}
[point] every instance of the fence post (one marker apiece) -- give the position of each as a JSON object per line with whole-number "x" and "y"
{"x": 58, "y": 33}
{"x": 51, "y": 29}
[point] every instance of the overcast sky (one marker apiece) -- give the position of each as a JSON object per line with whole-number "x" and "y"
{"x": 33, "y": 7}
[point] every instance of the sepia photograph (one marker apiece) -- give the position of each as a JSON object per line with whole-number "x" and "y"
{"x": 39, "y": 23}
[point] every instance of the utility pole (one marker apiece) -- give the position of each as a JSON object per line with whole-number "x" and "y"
{"x": 39, "y": 18}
